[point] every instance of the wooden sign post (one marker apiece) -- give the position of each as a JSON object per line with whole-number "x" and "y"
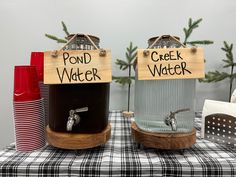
{"x": 170, "y": 63}
{"x": 77, "y": 66}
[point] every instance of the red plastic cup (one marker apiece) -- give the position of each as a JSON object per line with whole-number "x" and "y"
{"x": 37, "y": 60}
{"x": 26, "y": 86}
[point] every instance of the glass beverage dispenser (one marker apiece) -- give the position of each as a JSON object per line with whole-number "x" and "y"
{"x": 79, "y": 108}
{"x": 165, "y": 106}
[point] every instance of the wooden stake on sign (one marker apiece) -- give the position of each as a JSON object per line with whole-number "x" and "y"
{"x": 77, "y": 66}
{"x": 78, "y": 140}
{"x": 170, "y": 63}
{"x": 168, "y": 141}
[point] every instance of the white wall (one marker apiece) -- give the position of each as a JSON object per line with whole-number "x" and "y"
{"x": 117, "y": 22}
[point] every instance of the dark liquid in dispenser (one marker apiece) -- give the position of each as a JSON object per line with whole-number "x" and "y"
{"x": 66, "y": 97}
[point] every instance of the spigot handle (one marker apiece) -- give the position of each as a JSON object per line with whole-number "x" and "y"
{"x": 170, "y": 120}
{"x": 74, "y": 118}
{"x": 81, "y": 109}
{"x": 181, "y": 110}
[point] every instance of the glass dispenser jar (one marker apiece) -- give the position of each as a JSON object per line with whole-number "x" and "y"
{"x": 79, "y": 108}
{"x": 165, "y": 106}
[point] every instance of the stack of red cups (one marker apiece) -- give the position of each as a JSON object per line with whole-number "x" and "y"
{"x": 37, "y": 60}
{"x": 29, "y": 117}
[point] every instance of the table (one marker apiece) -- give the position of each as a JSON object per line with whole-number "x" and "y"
{"x": 121, "y": 156}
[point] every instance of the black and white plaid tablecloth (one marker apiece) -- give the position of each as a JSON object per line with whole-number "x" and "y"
{"x": 121, "y": 156}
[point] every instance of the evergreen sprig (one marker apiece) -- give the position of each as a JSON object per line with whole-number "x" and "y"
{"x": 131, "y": 56}
{"x": 59, "y": 40}
{"x": 216, "y": 76}
{"x": 123, "y": 80}
{"x": 55, "y": 38}
{"x": 188, "y": 31}
{"x": 122, "y": 64}
{"x": 203, "y": 42}
{"x": 65, "y": 28}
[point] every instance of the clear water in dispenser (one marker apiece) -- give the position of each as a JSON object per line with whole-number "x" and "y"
{"x": 158, "y": 101}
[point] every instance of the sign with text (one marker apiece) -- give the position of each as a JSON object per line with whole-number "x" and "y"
{"x": 77, "y": 66}
{"x": 170, "y": 63}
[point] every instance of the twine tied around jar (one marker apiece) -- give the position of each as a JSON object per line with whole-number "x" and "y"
{"x": 146, "y": 52}
{"x": 102, "y": 52}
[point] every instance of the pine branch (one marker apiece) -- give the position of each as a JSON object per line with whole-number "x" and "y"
{"x": 191, "y": 25}
{"x": 131, "y": 55}
{"x": 65, "y": 28}
{"x": 59, "y": 40}
{"x": 123, "y": 80}
{"x": 203, "y": 42}
{"x": 215, "y": 76}
{"x": 188, "y": 31}
{"x": 195, "y": 23}
{"x": 55, "y": 38}
{"x": 134, "y": 49}
{"x": 233, "y": 76}
{"x": 122, "y": 64}
{"x": 229, "y": 55}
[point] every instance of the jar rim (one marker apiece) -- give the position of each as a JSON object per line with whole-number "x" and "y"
{"x": 163, "y": 36}
{"x": 82, "y": 35}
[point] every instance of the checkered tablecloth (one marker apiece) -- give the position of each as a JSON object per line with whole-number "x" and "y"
{"x": 121, "y": 156}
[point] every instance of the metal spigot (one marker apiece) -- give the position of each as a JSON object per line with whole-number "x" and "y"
{"x": 170, "y": 120}
{"x": 74, "y": 118}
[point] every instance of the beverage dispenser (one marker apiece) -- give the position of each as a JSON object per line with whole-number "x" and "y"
{"x": 165, "y": 95}
{"x": 79, "y": 109}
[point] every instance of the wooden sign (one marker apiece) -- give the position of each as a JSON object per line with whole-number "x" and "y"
{"x": 170, "y": 63}
{"x": 77, "y": 66}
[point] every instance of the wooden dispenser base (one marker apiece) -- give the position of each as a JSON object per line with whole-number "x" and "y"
{"x": 77, "y": 141}
{"x": 171, "y": 141}
{"x": 128, "y": 114}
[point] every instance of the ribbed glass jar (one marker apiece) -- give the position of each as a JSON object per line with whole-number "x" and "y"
{"x": 155, "y": 99}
